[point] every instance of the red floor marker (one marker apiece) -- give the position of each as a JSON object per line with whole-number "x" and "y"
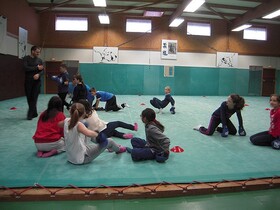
{"x": 142, "y": 104}
{"x": 267, "y": 109}
{"x": 246, "y": 104}
{"x": 13, "y": 108}
{"x": 177, "y": 149}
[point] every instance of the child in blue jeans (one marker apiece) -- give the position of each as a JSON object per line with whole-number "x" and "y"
{"x": 156, "y": 145}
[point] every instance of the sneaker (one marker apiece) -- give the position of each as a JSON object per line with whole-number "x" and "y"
{"x": 160, "y": 111}
{"x": 122, "y": 149}
{"x": 135, "y": 126}
{"x": 128, "y": 136}
{"x": 125, "y": 105}
{"x": 275, "y": 144}
{"x": 196, "y": 128}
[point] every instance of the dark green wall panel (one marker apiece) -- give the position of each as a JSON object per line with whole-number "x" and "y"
{"x": 127, "y": 79}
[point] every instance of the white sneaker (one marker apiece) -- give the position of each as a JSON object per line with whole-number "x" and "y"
{"x": 196, "y": 128}
{"x": 126, "y": 105}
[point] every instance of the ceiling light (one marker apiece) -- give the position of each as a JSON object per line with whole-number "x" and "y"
{"x": 153, "y": 14}
{"x": 272, "y": 15}
{"x": 176, "y": 22}
{"x": 104, "y": 19}
{"x": 99, "y": 3}
{"x": 240, "y": 28}
{"x": 193, "y": 5}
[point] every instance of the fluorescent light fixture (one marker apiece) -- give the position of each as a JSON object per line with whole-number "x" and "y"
{"x": 272, "y": 15}
{"x": 193, "y": 5}
{"x": 176, "y": 22}
{"x": 99, "y": 3}
{"x": 153, "y": 14}
{"x": 104, "y": 19}
{"x": 240, "y": 28}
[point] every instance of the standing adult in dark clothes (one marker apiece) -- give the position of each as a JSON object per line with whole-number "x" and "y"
{"x": 33, "y": 67}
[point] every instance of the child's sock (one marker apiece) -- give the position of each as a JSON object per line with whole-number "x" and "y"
{"x": 50, "y": 153}
{"x": 129, "y": 150}
{"x": 39, "y": 153}
{"x": 122, "y": 149}
{"x": 135, "y": 126}
{"x": 128, "y": 136}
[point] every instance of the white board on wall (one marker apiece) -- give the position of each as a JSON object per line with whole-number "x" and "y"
{"x": 227, "y": 59}
{"x": 105, "y": 54}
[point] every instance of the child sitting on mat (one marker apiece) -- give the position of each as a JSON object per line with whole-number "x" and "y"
{"x": 48, "y": 137}
{"x": 78, "y": 151}
{"x": 156, "y": 145}
{"x": 94, "y": 123}
{"x": 270, "y": 137}
{"x": 155, "y": 102}
{"x": 234, "y": 104}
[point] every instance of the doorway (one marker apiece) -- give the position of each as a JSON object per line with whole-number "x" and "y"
{"x": 268, "y": 81}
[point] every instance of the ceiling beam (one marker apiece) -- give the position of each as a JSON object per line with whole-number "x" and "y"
{"x": 179, "y": 10}
{"x": 258, "y": 12}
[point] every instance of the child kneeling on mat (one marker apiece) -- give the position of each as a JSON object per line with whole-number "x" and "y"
{"x": 156, "y": 145}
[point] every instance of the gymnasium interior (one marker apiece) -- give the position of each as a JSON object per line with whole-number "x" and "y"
{"x": 203, "y": 59}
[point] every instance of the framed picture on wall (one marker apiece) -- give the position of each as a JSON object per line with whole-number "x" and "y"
{"x": 169, "y": 49}
{"x": 105, "y": 54}
{"x": 22, "y": 42}
{"x": 227, "y": 59}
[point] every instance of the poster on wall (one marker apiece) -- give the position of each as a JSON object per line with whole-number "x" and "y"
{"x": 22, "y": 42}
{"x": 3, "y": 32}
{"x": 227, "y": 59}
{"x": 105, "y": 54}
{"x": 169, "y": 49}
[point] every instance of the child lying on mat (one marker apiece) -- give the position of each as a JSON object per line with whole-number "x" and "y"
{"x": 48, "y": 136}
{"x": 234, "y": 104}
{"x": 78, "y": 151}
{"x": 156, "y": 145}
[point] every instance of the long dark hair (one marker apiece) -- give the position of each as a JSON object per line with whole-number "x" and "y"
{"x": 87, "y": 106}
{"x": 150, "y": 116}
{"x": 238, "y": 101}
{"x": 54, "y": 106}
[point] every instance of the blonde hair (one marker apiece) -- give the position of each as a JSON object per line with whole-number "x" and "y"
{"x": 168, "y": 88}
{"x": 77, "y": 110}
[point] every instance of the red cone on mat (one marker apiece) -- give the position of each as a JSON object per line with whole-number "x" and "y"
{"x": 13, "y": 108}
{"x": 177, "y": 149}
{"x": 142, "y": 104}
{"x": 246, "y": 104}
{"x": 267, "y": 109}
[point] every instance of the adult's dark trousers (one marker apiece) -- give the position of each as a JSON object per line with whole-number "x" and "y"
{"x": 32, "y": 90}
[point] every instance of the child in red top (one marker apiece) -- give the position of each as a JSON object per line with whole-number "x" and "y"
{"x": 270, "y": 137}
{"x": 48, "y": 137}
